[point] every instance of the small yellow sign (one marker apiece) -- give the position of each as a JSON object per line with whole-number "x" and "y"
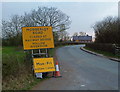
{"x": 37, "y": 37}
{"x": 43, "y": 65}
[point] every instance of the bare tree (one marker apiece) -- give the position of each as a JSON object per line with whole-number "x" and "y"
{"x": 45, "y": 16}
{"x": 11, "y": 30}
{"x": 64, "y": 35}
{"x": 82, "y": 33}
{"x": 75, "y": 34}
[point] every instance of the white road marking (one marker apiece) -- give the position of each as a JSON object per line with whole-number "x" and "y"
{"x": 82, "y": 85}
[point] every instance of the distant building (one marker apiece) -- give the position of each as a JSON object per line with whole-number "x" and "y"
{"x": 82, "y": 39}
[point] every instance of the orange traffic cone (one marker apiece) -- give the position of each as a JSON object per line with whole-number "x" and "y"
{"x": 57, "y": 72}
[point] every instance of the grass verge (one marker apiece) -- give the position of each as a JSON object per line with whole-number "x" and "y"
{"x": 103, "y": 52}
{"x": 17, "y": 68}
{"x": 17, "y": 71}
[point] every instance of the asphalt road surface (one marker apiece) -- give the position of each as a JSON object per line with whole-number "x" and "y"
{"x": 82, "y": 71}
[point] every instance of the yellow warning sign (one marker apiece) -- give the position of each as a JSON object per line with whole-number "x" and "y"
{"x": 37, "y": 37}
{"x": 43, "y": 65}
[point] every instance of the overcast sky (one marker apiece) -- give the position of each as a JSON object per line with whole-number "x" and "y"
{"x": 82, "y": 14}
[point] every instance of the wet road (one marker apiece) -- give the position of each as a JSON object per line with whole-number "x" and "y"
{"x": 82, "y": 71}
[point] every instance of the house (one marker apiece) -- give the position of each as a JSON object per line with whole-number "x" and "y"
{"x": 82, "y": 39}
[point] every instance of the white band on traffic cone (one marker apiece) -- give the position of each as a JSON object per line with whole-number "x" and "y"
{"x": 57, "y": 68}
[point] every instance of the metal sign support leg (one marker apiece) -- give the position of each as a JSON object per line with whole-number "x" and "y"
{"x": 38, "y": 75}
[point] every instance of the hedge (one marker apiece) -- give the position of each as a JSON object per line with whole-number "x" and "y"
{"x": 67, "y": 43}
{"x": 103, "y": 47}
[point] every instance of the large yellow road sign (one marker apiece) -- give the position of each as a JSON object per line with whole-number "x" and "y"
{"x": 43, "y": 65}
{"x": 37, "y": 37}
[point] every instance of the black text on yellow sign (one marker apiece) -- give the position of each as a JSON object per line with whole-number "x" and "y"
{"x": 43, "y": 65}
{"x": 37, "y": 37}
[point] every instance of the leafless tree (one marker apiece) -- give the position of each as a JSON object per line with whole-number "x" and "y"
{"x": 11, "y": 30}
{"x": 82, "y": 33}
{"x": 45, "y": 16}
{"x": 63, "y": 35}
{"x": 75, "y": 34}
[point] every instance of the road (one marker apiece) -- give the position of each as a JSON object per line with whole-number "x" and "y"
{"x": 82, "y": 71}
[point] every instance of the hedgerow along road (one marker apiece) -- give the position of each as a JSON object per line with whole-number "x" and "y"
{"x": 82, "y": 71}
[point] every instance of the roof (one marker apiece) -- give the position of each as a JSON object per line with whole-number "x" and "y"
{"x": 82, "y": 37}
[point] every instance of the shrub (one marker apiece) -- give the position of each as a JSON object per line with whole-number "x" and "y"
{"x": 103, "y": 47}
{"x": 15, "y": 62}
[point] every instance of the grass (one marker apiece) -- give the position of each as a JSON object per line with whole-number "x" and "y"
{"x": 17, "y": 69}
{"x": 51, "y": 52}
{"x": 14, "y": 52}
{"x": 103, "y": 52}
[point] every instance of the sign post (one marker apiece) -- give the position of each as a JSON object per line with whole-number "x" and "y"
{"x": 37, "y": 38}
